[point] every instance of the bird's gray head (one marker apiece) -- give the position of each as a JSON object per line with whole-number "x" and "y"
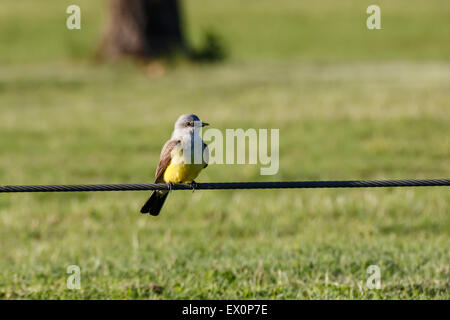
{"x": 189, "y": 122}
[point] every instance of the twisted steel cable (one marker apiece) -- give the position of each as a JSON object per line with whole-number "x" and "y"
{"x": 229, "y": 185}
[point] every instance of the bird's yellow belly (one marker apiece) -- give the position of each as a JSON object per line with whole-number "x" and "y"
{"x": 181, "y": 172}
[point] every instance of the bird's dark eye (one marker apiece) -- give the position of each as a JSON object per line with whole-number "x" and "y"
{"x": 190, "y": 124}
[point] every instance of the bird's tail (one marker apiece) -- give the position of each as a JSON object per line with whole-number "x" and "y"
{"x": 155, "y": 202}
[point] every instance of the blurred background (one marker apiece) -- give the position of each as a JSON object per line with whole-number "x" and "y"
{"x": 95, "y": 105}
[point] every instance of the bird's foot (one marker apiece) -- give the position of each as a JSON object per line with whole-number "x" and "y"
{"x": 170, "y": 185}
{"x": 193, "y": 185}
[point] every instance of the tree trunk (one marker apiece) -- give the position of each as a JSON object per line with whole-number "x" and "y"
{"x": 143, "y": 29}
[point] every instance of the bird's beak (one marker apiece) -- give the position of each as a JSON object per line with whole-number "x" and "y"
{"x": 204, "y": 124}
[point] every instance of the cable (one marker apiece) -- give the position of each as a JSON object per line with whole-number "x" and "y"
{"x": 230, "y": 185}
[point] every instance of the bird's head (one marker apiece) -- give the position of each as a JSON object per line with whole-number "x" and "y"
{"x": 189, "y": 123}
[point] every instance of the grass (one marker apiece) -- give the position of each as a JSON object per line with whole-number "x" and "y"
{"x": 350, "y": 113}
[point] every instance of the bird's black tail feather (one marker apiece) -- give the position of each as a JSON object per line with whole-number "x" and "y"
{"x": 155, "y": 202}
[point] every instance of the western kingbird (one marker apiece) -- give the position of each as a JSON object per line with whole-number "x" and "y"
{"x": 180, "y": 160}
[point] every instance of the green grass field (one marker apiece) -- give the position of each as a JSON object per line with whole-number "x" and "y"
{"x": 350, "y": 104}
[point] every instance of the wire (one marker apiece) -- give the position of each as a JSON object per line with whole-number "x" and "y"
{"x": 229, "y": 185}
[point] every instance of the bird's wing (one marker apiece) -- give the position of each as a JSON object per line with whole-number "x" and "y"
{"x": 205, "y": 154}
{"x": 165, "y": 158}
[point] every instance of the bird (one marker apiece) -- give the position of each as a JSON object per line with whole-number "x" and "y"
{"x": 182, "y": 159}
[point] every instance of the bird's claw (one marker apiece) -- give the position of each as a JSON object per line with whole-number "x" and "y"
{"x": 193, "y": 186}
{"x": 170, "y": 185}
